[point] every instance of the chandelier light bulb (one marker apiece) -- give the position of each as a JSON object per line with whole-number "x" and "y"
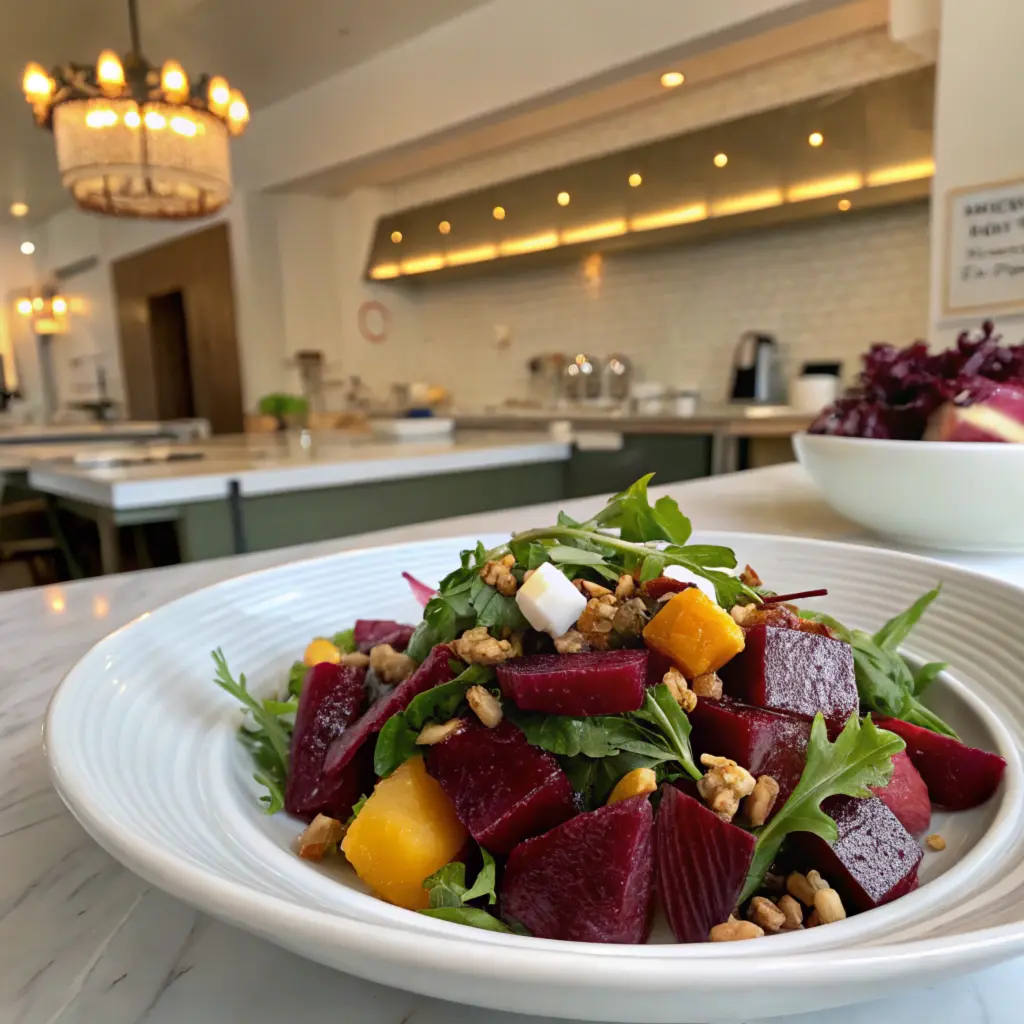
{"x": 24, "y": 306}
{"x": 155, "y": 121}
{"x": 59, "y": 305}
{"x": 27, "y": 249}
{"x": 132, "y": 119}
{"x": 218, "y": 96}
{"x": 37, "y": 84}
{"x": 19, "y": 209}
{"x": 174, "y": 82}
{"x": 238, "y": 113}
{"x": 110, "y": 73}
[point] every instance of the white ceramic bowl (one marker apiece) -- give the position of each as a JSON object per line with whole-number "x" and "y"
{"x": 932, "y": 494}
{"x": 142, "y": 748}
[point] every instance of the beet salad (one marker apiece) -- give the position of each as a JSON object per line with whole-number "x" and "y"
{"x": 599, "y": 719}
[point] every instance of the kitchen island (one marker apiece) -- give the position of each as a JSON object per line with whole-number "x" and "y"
{"x": 85, "y": 940}
{"x": 252, "y": 493}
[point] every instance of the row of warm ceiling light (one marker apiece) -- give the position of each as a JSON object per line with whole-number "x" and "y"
{"x": 815, "y": 139}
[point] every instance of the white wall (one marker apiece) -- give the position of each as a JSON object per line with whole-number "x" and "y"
{"x": 827, "y": 289}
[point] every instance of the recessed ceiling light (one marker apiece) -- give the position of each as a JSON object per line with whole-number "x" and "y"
{"x": 672, "y": 78}
{"x": 444, "y": 227}
{"x": 27, "y": 248}
{"x": 564, "y": 198}
{"x": 815, "y": 139}
{"x": 396, "y": 237}
{"x": 498, "y": 213}
{"x": 721, "y": 159}
{"x": 635, "y": 181}
{"x": 844, "y": 204}
{"x": 19, "y": 209}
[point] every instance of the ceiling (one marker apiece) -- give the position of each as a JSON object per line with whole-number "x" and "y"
{"x": 259, "y": 45}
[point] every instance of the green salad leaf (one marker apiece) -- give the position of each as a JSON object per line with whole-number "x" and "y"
{"x": 886, "y": 682}
{"x": 450, "y": 896}
{"x": 269, "y": 742}
{"x": 345, "y": 641}
{"x": 297, "y": 677}
{"x": 662, "y": 711}
{"x": 861, "y": 757}
{"x": 396, "y": 742}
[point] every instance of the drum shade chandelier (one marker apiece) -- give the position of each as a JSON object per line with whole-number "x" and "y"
{"x": 137, "y": 140}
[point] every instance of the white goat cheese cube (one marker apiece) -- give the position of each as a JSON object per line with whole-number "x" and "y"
{"x": 549, "y": 601}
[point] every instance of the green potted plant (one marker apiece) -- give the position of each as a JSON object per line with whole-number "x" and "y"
{"x": 288, "y": 410}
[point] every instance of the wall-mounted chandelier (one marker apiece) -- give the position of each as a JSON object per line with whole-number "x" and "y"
{"x": 48, "y": 310}
{"x": 135, "y": 140}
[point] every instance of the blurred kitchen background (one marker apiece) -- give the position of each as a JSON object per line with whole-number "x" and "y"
{"x": 478, "y": 252}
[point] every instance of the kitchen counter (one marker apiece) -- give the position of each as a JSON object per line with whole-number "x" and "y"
{"x": 126, "y": 430}
{"x": 86, "y": 941}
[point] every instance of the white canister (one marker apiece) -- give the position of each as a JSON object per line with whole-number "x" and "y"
{"x": 813, "y": 391}
{"x": 648, "y": 398}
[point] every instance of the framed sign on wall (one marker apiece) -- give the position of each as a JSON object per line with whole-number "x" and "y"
{"x": 984, "y": 257}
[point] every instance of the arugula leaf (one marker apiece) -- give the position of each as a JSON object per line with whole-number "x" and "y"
{"x": 661, "y": 710}
{"x": 447, "y": 886}
{"x": 568, "y": 555}
{"x": 529, "y": 555}
{"x": 473, "y": 917}
{"x": 711, "y": 556}
{"x": 631, "y": 512}
{"x": 356, "y": 808}
{"x": 886, "y": 683}
{"x": 600, "y": 736}
{"x": 280, "y": 708}
{"x": 396, "y": 742}
{"x": 296, "y": 677}
{"x": 485, "y": 881}
{"x": 651, "y": 568}
{"x": 861, "y": 757}
{"x": 345, "y": 641}
{"x": 268, "y": 743}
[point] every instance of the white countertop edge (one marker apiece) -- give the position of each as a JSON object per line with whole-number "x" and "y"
{"x": 190, "y": 488}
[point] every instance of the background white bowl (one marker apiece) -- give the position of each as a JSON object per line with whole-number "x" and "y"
{"x": 957, "y": 497}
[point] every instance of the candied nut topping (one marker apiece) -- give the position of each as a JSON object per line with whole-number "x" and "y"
{"x": 766, "y": 915}
{"x": 762, "y": 799}
{"x": 828, "y": 906}
{"x": 499, "y": 575}
{"x": 708, "y": 685}
{"x": 477, "y": 647}
{"x": 743, "y": 614}
{"x": 594, "y": 589}
{"x": 725, "y": 785}
{"x": 935, "y": 842}
{"x": 432, "y": 734}
{"x": 750, "y": 578}
{"x": 735, "y": 931}
{"x": 391, "y": 666}
{"x": 573, "y": 642}
{"x": 625, "y": 587}
{"x": 321, "y": 834}
{"x": 816, "y": 882}
{"x": 630, "y": 618}
{"x": 484, "y": 705}
{"x": 355, "y": 659}
{"x": 681, "y": 693}
{"x": 792, "y": 911}
{"x": 798, "y": 887}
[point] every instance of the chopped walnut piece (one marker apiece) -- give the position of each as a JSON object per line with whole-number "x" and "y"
{"x": 708, "y": 685}
{"x": 625, "y": 587}
{"x": 573, "y": 642}
{"x": 798, "y": 887}
{"x": 321, "y": 834}
{"x": 433, "y": 734}
{"x": 485, "y": 706}
{"x": 829, "y": 906}
{"x": 743, "y": 614}
{"x": 630, "y": 618}
{"x": 391, "y": 666}
{"x": 750, "y": 578}
{"x": 355, "y": 659}
{"x": 816, "y": 882}
{"x": 725, "y": 785}
{"x": 759, "y": 804}
{"x": 594, "y": 589}
{"x": 681, "y": 693}
{"x": 766, "y": 915}
{"x": 477, "y": 647}
{"x": 596, "y": 621}
{"x": 499, "y": 575}
{"x": 935, "y": 842}
{"x": 792, "y": 911}
{"x": 735, "y": 931}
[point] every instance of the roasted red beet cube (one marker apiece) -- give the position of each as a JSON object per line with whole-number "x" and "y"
{"x": 874, "y": 860}
{"x": 436, "y": 669}
{"x": 600, "y": 683}
{"x": 588, "y": 880}
{"x": 332, "y": 698}
{"x": 763, "y": 742}
{"x": 800, "y": 673}
{"x": 368, "y": 633}
{"x": 906, "y": 795}
{"x": 957, "y": 776}
{"x": 657, "y": 665}
{"x": 701, "y": 863}
{"x": 504, "y": 790}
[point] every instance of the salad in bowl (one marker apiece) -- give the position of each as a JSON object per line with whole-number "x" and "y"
{"x": 599, "y": 719}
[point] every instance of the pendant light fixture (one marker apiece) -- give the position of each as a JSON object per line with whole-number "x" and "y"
{"x": 137, "y": 140}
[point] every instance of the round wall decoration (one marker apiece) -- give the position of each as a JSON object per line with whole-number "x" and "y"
{"x": 374, "y": 321}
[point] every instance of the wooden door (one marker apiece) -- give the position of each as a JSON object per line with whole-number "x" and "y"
{"x": 176, "y": 316}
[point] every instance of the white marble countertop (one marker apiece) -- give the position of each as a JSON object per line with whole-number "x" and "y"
{"x": 266, "y": 464}
{"x": 41, "y": 433}
{"x": 84, "y": 941}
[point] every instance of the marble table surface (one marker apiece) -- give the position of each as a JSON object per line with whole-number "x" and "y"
{"x": 84, "y": 941}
